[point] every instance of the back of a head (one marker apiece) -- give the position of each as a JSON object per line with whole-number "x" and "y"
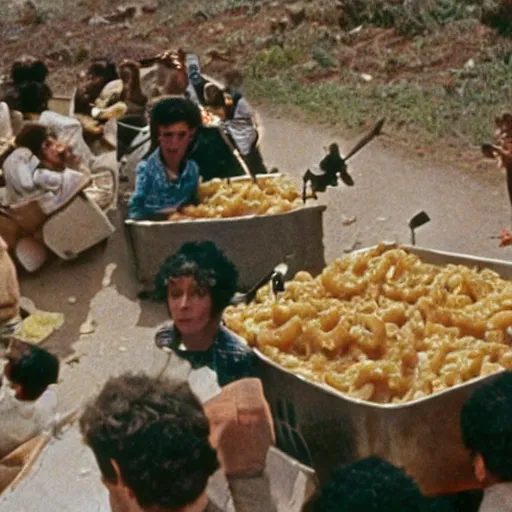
{"x": 34, "y": 97}
{"x": 103, "y": 67}
{"x": 35, "y": 370}
{"x": 32, "y": 136}
{"x": 28, "y": 69}
{"x": 157, "y": 433}
{"x": 486, "y": 423}
{"x": 369, "y": 485}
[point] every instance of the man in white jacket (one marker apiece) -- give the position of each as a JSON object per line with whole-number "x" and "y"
{"x": 42, "y": 167}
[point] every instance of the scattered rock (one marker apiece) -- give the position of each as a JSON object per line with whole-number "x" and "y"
{"x": 28, "y": 14}
{"x": 161, "y": 41}
{"x": 217, "y": 54}
{"x": 97, "y": 20}
{"x": 72, "y": 300}
{"x": 263, "y": 42}
{"x": 149, "y": 7}
{"x": 168, "y": 20}
{"x": 366, "y": 77}
{"x": 346, "y": 221}
{"x": 355, "y": 245}
{"x": 89, "y": 326}
{"x": 283, "y": 23}
{"x": 72, "y": 359}
{"x": 122, "y": 13}
{"x": 109, "y": 271}
{"x": 201, "y": 15}
{"x": 62, "y": 55}
{"x": 382, "y": 219}
{"x": 219, "y": 28}
{"x": 310, "y": 66}
{"x": 122, "y": 349}
{"x": 82, "y": 54}
{"x": 470, "y": 64}
{"x": 296, "y": 12}
{"x": 273, "y": 5}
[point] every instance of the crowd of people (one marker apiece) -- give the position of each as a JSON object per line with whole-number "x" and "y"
{"x": 157, "y": 444}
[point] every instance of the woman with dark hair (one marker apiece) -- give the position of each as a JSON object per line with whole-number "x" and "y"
{"x": 198, "y": 283}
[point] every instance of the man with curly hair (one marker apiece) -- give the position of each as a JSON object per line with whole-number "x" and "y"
{"x": 486, "y": 422}
{"x": 369, "y": 485}
{"x": 150, "y": 438}
{"x": 168, "y": 178}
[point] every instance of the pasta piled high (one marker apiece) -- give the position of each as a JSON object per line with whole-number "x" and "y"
{"x": 382, "y": 325}
{"x": 218, "y": 198}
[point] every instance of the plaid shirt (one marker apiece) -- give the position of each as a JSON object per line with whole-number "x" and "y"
{"x": 154, "y": 191}
{"x": 229, "y": 356}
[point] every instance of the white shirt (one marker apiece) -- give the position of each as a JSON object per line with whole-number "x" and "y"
{"x": 497, "y": 498}
{"x": 22, "y": 420}
{"x": 242, "y": 127}
{"x": 24, "y": 180}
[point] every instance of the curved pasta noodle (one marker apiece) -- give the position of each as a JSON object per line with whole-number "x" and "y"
{"x": 381, "y": 325}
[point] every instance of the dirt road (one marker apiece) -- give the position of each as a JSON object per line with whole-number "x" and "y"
{"x": 465, "y": 207}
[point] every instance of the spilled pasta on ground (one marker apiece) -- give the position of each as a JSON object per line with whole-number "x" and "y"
{"x": 384, "y": 326}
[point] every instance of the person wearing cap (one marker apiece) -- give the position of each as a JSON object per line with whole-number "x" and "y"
{"x": 168, "y": 178}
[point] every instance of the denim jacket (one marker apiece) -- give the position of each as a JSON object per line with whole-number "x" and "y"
{"x": 229, "y": 355}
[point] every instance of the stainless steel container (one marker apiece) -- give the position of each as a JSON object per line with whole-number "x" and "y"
{"x": 254, "y": 243}
{"x": 324, "y": 428}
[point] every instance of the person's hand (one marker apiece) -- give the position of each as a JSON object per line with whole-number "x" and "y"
{"x": 505, "y": 238}
{"x": 70, "y": 159}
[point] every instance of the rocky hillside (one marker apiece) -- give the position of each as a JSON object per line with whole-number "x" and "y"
{"x": 437, "y": 69}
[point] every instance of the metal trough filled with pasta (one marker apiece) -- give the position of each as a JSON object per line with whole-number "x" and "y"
{"x": 255, "y": 225}
{"x": 377, "y": 354}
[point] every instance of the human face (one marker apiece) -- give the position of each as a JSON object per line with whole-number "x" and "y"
{"x": 53, "y": 154}
{"x": 190, "y": 305}
{"x": 174, "y": 140}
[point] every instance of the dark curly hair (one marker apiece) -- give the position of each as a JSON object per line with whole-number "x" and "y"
{"x": 158, "y": 434}
{"x": 35, "y": 370}
{"x": 32, "y": 136}
{"x": 486, "y": 423}
{"x": 210, "y": 267}
{"x": 34, "y": 97}
{"x": 369, "y": 485}
{"x": 28, "y": 69}
{"x": 171, "y": 110}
